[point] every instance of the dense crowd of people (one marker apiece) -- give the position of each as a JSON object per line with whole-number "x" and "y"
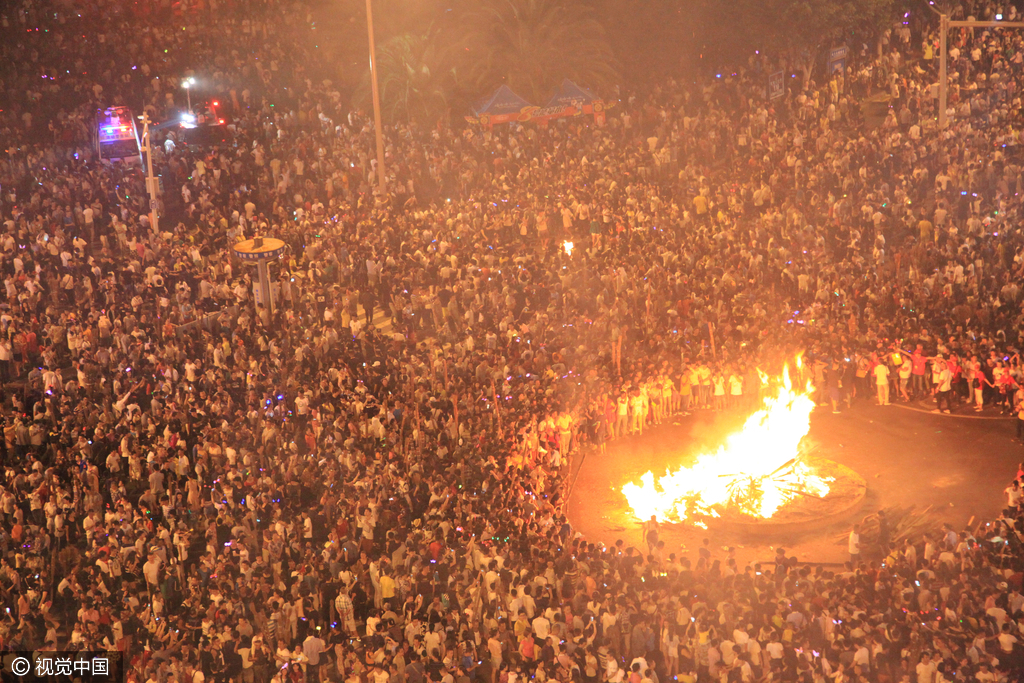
{"x": 367, "y": 483}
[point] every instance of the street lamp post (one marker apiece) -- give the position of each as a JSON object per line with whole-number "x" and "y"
{"x": 151, "y": 181}
{"x": 943, "y": 62}
{"x": 187, "y": 84}
{"x": 375, "y": 89}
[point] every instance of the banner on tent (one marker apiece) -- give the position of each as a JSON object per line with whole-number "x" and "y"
{"x": 569, "y": 99}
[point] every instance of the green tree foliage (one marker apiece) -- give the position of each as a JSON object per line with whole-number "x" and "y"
{"x": 651, "y": 38}
{"x": 415, "y": 77}
{"x": 531, "y": 45}
{"x": 723, "y": 34}
{"x": 438, "y": 55}
{"x": 803, "y": 29}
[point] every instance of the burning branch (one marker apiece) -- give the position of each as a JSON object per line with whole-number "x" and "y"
{"x": 756, "y": 472}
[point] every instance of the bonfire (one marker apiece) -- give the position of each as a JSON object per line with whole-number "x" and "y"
{"x": 755, "y": 473}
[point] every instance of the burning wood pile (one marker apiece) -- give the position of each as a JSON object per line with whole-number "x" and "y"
{"x": 758, "y": 470}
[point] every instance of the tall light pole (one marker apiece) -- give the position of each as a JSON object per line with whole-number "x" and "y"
{"x": 187, "y": 84}
{"x": 151, "y": 181}
{"x": 375, "y": 89}
{"x": 943, "y": 77}
{"x": 944, "y": 25}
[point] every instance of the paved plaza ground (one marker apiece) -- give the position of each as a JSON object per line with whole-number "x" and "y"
{"x": 957, "y": 465}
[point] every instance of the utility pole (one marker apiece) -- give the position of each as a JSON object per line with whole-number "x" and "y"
{"x": 943, "y": 77}
{"x": 375, "y": 89}
{"x": 151, "y": 181}
{"x": 187, "y": 84}
{"x": 944, "y": 25}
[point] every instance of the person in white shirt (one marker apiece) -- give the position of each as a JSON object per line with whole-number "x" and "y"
{"x": 541, "y": 627}
{"x": 862, "y": 657}
{"x": 881, "y": 373}
{"x": 746, "y": 672}
{"x": 1014, "y": 493}
{"x": 944, "y": 385}
{"x": 151, "y": 569}
{"x": 1006, "y": 639}
{"x": 854, "y": 545}
{"x": 926, "y": 669}
{"x": 984, "y": 674}
{"x": 379, "y": 675}
{"x": 529, "y": 604}
{"x": 312, "y": 648}
{"x": 741, "y": 638}
{"x": 6, "y": 356}
{"x": 729, "y": 654}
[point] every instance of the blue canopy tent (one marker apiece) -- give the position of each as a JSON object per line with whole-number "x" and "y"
{"x": 501, "y": 107}
{"x": 569, "y": 100}
{"x": 573, "y": 100}
{"x": 569, "y": 93}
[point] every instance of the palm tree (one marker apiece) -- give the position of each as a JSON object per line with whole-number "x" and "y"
{"x": 414, "y": 82}
{"x": 340, "y": 27}
{"x": 803, "y": 29}
{"x": 531, "y": 45}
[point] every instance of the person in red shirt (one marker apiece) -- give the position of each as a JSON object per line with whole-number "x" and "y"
{"x": 978, "y": 381}
{"x": 31, "y": 345}
{"x": 435, "y": 549}
{"x": 526, "y": 646}
{"x": 1006, "y": 386}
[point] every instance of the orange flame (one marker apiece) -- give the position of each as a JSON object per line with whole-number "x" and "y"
{"x": 756, "y": 471}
